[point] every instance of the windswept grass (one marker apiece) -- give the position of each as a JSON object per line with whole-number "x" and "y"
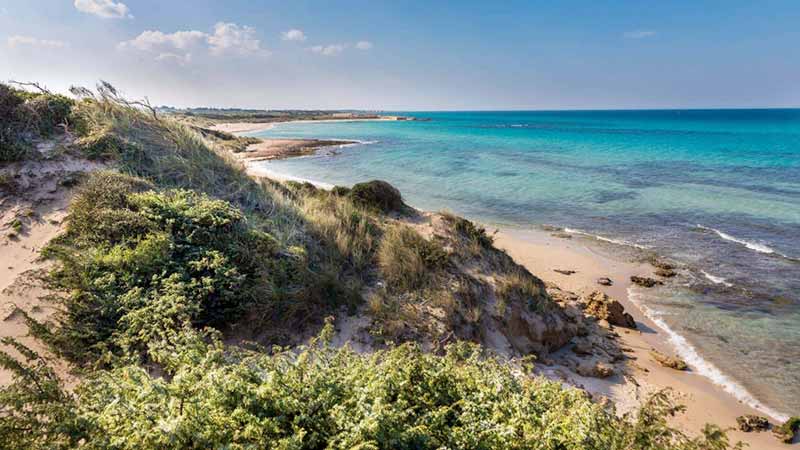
{"x": 408, "y": 261}
{"x": 28, "y": 116}
{"x": 521, "y": 287}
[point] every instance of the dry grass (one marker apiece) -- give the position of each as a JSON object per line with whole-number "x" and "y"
{"x": 521, "y": 286}
{"x": 408, "y": 261}
{"x": 351, "y": 229}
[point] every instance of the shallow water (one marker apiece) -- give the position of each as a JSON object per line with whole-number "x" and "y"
{"x": 716, "y": 190}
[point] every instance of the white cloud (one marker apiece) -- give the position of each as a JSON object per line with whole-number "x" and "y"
{"x": 328, "y": 50}
{"x": 293, "y": 35}
{"x": 20, "y": 41}
{"x": 106, "y": 9}
{"x": 363, "y": 45}
{"x": 639, "y": 34}
{"x": 156, "y": 40}
{"x": 177, "y": 58}
{"x": 229, "y": 38}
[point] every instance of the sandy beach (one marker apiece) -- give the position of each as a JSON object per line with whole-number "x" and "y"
{"x": 706, "y": 402}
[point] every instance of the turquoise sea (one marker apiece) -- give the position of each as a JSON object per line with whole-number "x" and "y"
{"x": 715, "y": 190}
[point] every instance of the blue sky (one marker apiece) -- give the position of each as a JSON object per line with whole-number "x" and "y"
{"x": 409, "y": 55}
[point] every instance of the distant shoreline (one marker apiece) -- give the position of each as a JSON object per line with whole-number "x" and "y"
{"x": 252, "y": 127}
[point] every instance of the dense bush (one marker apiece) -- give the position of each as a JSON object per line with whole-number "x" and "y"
{"x": 377, "y": 194}
{"x": 135, "y": 265}
{"x": 320, "y": 397}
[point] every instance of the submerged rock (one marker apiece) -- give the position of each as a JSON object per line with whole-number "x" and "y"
{"x": 673, "y": 362}
{"x": 751, "y": 422}
{"x": 661, "y": 264}
{"x": 666, "y": 273}
{"x": 564, "y": 271}
{"x": 604, "y": 307}
{"x": 645, "y": 281}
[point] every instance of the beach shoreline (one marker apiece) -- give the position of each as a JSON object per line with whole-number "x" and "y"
{"x": 254, "y": 127}
{"x": 541, "y": 252}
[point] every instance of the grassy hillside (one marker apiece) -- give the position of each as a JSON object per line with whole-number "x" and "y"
{"x": 176, "y": 275}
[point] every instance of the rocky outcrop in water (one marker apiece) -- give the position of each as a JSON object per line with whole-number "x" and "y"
{"x": 645, "y": 281}
{"x": 666, "y": 273}
{"x": 604, "y": 307}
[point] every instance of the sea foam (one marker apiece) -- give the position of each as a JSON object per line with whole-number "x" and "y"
{"x": 697, "y": 363}
{"x": 715, "y": 279}
{"x": 605, "y": 239}
{"x": 761, "y": 248}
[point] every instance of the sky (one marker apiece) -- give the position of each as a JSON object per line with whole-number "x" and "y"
{"x": 413, "y": 55}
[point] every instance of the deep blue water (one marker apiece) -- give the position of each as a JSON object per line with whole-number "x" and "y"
{"x": 717, "y": 190}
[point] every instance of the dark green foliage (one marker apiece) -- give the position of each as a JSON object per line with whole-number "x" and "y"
{"x": 35, "y": 411}
{"x": 319, "y": 397}
{"x": 137, "y": 265}
{"x": 787, "y": 431}
{"x": 340, "y": 191}
{"x": 378, "y": 195}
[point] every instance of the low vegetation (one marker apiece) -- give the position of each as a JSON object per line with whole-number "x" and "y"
{"x": 177, "y": 273}
{"x": 320, "y": 397}
{"x": 26, "y": 117}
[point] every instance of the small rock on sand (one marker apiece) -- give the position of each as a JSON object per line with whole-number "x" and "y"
{"x": 564, "y": 271}
{"x": 605, "y": 281}
{"x": 594, "y": 369}
{"x": 673, "y": 362}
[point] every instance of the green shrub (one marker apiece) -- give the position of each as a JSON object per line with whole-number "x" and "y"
{"x": 319, "y": 397}
{"x": 378, "y": 195}
{"x": 137, "y": 265}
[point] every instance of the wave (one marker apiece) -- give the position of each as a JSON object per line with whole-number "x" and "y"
{"x": 715, "y": 280}
{"x": 705, "y": 368}
{"x": 761, "y": 248}
{"x": 605, "y": 239}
